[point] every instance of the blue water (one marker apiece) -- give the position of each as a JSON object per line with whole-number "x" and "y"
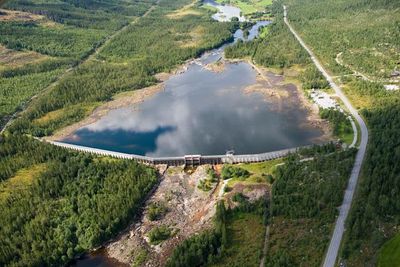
{"x": 202, "y": 112}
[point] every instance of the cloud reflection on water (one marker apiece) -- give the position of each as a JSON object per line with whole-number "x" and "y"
{"x": 200, "y": 112}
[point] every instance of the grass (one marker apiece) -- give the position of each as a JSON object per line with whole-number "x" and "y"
{"x": 257, "y": 172}
{"x": 140, "y": 258}
{"x": 15, "y": 90}
{"x": 304, "y": 240}
{"x": 14, "y": 58}
{"x": 389, "y": 255}
{"x": 345, "y": 137}
{"x": 248, "y": 7}
{"x": 246, "y": 234}
{"x": 21, "y": 181}
{"x": 264, "y": 32}
{"x": 159, "y": 234}
{"x": 56, "y": 115}
{"x": 187, "y": 10}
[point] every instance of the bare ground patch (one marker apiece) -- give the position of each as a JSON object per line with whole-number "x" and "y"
{"x": 187, "y": 10}
{"x": 13, "y": 58}
{"x": 16, "y": 15}
{"x": 216, "y": 67}
{"x": 283, "y": 95}
{"x": 189, "y": 211}
{"x": 130, "y": 98}
{"x": 195, "y": 38}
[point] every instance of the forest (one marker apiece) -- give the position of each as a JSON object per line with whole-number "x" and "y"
{"x": 72, "y": 204}
{"x": 217, "y": 246}
{"x": 267, "y": 51}
{"x": 376, "y": 209}
{"x": 355, "y": 29}
{"x": 126, "y": 63}
{"x": 50, "y": 195}
{"x": 58, "y": 204}
{"x": 305, "y": 197}
{"x": 57, "y": 35}
{"x": 105, "y": 15}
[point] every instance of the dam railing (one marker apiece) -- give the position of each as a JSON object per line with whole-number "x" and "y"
{"x": 187, "y": 160}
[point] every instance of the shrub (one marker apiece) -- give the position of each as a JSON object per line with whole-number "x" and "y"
{"x": 159, "y": 234}
{"x": 234, "y": 172}
{"x": 156, "y": 211}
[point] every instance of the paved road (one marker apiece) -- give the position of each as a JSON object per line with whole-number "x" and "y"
{"x": 337, "y": 235}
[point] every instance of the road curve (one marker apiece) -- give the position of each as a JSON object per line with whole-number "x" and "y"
{"x": 331, "y": 254}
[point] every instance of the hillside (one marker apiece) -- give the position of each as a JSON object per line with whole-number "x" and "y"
{"x": 62, "y": 60}
{"x": 362, "y": 38}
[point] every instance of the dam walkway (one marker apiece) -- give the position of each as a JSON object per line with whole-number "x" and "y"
{"x": 187, "y": 160}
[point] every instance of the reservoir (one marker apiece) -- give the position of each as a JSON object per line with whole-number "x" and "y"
{"x": 204, "y": 111}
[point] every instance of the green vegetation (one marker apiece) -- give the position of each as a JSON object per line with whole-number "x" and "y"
{"x": 305, "y": 197}
{"x": 246, "y": 233}
{"x": 389, "y": 256}
{"x": 105, "y": 15}
{"x": 236, "y": 240}
{"x": 22, "y": 180}
{"x": 281, "y": 259}
{"x": 366, "y": 32}
{"x": 377, "y": 200}
{"x": 207, "y": 183}
{"x": 239, "y": 197}
{"x": 57, "y": 204}
{"x": 60, "y": 42}
{"x": 248, "y": 7}
{"x": 159, "y": 234}
{"x": 140, "y": 258}
{"x": 354, "y": 29}
{"x": 128, "y": 63}
{"x": 15, "y": 90}
{"x": 204, "y": 248}
{"x": 68, "y": 31}
{"x": 259, "y": 172}
{"x": 341, "y": 124}
{"x": 229, "y": 171}
{"x": 278, "y": 49}
{"x": 156, "y": 211}
{"x": 311, "y": 78}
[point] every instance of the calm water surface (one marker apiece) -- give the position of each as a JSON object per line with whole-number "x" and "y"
{"x": 201, "y": 112}
{"x": 225, "y": 12}
{"x": 98, "y": 258}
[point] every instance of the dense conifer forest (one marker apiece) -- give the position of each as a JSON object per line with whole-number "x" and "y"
{"x": 349, "y": 38}
{"x": 57, "y": 204}
{"x": 126, "y": 63}
{"x": 367, "y": 34}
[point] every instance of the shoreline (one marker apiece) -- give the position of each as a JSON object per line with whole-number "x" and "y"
{"x": 279, "y": 90}
{"x": 269, "y": 84}
{"x": 124, "y": 99}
